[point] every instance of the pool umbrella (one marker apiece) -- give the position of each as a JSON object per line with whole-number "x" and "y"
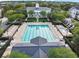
{"x": 38, "y": 40}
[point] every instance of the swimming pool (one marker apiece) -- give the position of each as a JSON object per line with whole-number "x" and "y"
{"x": 32, "y": 31}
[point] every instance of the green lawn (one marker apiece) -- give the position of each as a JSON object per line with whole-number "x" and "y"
{"x": 31, "y": 20}
{"x": 35, "y": 20}
{"x": 16, "y": 54}
{"x": 43, "y": 20}
{"x": 61, "y": 52}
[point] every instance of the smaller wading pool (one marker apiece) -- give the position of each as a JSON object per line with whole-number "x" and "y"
{"x": 32, "y": 31}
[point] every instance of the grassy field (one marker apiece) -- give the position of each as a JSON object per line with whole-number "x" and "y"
{"x": 16, "y": 54}
{"x": 43, "y": 20}
{"x": 35, "y": 20}
{"x": 31, "y": 20}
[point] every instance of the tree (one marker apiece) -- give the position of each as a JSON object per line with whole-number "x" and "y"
{"x": 8, "y": 7}
{"x": 65, "y": 13}
{"x": 67, "y": 6}
{"x": 76, "y": 40}
{"x": 43, "y": 4}
{"x": 58, "y": 17}
{"x": 32, "y": 4}
{"x": 10, "y": 12}
{"x": 76, "y": 43}
{"x": 43, "y": 13}
{"x": 19, "y": 6}
{"x": 75, "y": 31}
{"x": 16, "y": 17}
{"x": 76, "y": 28}
{"x": 31, "y": 12}
{"x": 61, "y": 52}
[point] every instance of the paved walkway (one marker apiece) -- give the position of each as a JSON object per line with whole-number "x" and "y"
{"x": 7, "y": 51}
{"x": 63, "y": 30}
{"x": 10, "y": 31}
{"x": 18, "y": 36}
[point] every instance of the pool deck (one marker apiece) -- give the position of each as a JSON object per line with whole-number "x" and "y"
{"x": 18, "y": 35}
{"x": 10, "y": 31}
{"x": 64, "y": 31}
{"x": 22, "y": 28}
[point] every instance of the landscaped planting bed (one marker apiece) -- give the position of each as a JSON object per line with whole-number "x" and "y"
{"x": 35, "y": 20}
{"x": 43, "y": 20}
{"x": 31, "y": 20}
{"x": 16, "y": 54}
{"x": 74, "y": 41}
{"x": 61, "y": 52}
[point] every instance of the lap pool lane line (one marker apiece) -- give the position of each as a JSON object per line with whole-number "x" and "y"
{"x": 51, "y": 35}
{"x": 48, "y": 35}
{"x": 23, "y": 36}
{"x": 29, "y": 34}
{"x": 32, "y": 33}
{"x": 44, "y": 30}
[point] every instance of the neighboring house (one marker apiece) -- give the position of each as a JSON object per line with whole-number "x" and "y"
{"x": 68, "y": 22}
{"x": 37, "y": 10}
{"x": 74, "y": 11}
{"x": 4, "y": 21}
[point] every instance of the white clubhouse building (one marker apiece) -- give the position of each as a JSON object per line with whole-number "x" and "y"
{"x": 37, "y": 10}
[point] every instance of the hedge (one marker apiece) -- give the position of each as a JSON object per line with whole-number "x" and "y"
{"x": 16, "y": 54}
{"x": 61, "y": 52}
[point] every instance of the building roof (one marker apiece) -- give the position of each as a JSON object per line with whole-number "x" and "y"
{"x": 40, "y": 8}
{"x": 68, "y": 19}
{"x": 75, "y": 7}
{"x": 38, "y": 40}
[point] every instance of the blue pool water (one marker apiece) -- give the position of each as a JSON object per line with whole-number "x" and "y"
{"x": 33, "y": 31}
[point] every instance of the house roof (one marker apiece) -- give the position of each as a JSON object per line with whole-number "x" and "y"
{"x": 75, "y": 7}
{"x": 68, "y": 19}
{"x": 40, "y": 8}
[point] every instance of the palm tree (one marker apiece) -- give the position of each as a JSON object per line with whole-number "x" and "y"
{"x": 43, "y": 13}
{"x": 31, "y": 12}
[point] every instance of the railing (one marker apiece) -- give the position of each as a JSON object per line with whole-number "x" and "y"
{"x": 5, "y": 30}
{"x": 3, "y": 48}
{"x": 71, "y": 45}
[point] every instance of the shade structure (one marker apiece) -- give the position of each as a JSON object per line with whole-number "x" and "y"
{"x": 37, "y": 48}
{"x": 38, "y": 40}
